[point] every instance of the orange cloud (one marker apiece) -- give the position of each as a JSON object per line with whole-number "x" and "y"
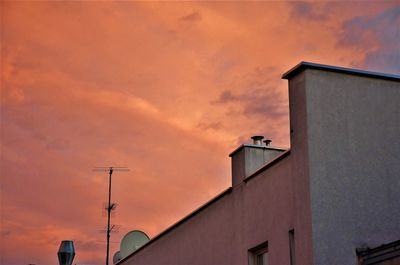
{"x": 167, "y": 89}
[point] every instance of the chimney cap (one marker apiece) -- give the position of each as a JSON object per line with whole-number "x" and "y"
{"x": 257, "y": 139}
{"x": 267, "y": 142}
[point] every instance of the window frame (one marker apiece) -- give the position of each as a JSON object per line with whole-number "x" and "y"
{"x": 256, "y": 251}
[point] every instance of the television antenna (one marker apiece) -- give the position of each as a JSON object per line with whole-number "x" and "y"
{"x": 110, "y": 206}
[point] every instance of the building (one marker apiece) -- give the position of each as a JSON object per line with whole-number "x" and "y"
{"x": 332, "y": 198}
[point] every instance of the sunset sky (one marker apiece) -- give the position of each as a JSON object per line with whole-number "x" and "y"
{"x": 167, "y": 89}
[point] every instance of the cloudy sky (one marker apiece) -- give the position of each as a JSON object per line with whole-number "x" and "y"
{"x": 167, "y": 89}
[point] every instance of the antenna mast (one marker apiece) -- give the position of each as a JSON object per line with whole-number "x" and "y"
{"x": 110, "y": 206}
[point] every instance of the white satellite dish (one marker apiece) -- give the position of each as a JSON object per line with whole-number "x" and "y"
{"x": 132, "y": 241}
{"x": 117, "y": 257}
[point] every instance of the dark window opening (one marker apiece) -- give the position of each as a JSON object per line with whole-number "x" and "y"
{"x": 259, "y": 254}
{"x": 292, "y": 248}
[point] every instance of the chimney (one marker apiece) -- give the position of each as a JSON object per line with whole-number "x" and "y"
{"x": 257, "y": 139}
{"x": 248, "y": 158}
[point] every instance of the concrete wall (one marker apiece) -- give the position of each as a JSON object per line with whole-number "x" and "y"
{"x": 254, "y": 212}
{"x": 299, "y": 164}
{"x": 354, "y": 154}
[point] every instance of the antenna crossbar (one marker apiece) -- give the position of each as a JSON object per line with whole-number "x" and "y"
{"x": 108, "y": 168}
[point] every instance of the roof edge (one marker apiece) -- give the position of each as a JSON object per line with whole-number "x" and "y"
{"x": 308, "y": 65}
{"x": 181, "y": 221}
{"x": 270, "y": 147}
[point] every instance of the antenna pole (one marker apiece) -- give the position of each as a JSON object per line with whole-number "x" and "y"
{"x": 110, "y": 206}
{"x": 109, "y": 214}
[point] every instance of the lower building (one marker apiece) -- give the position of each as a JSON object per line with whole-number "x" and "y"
{"x": 333, "y": 198}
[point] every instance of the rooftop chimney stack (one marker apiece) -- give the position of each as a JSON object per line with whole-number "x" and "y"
{"x": 257, "y": 139}
{"x": 248, "y": 158}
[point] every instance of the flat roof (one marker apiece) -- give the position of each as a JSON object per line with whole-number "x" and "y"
{"x": 307, "y": 65}
{"x": 257, "y": 146}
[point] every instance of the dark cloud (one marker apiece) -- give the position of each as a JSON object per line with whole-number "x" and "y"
{"x": 256, "y": 102}
{"x": 305, "y": 10}
{"x": 227, "y": 96}
{"x": 264, "y": 102}
{"x": 376, "y": 36}
{"x": 256, "y": 95}
{"x": 195, "y": 16}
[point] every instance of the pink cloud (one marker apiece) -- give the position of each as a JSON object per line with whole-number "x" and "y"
{"x": 90, "y": 84}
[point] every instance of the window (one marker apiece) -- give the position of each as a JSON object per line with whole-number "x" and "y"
{"x": 259, "y": 254}
{"x": 387, "y": 254}
{"x": 292, "y": 248}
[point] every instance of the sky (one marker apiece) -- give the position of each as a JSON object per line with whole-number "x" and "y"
{"x": 167, "y": 89}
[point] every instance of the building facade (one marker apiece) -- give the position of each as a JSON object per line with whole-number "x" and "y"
{"x": 333, "y": 198}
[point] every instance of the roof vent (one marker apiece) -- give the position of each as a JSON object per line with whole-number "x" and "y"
{"x": 66, "y": 252}
{"x": 257, "y": 139}
{"x": 267, "y": 142}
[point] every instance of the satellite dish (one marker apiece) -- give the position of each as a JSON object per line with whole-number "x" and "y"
{"x": 117, "y": 257}
{"x": 132, "y": 241}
